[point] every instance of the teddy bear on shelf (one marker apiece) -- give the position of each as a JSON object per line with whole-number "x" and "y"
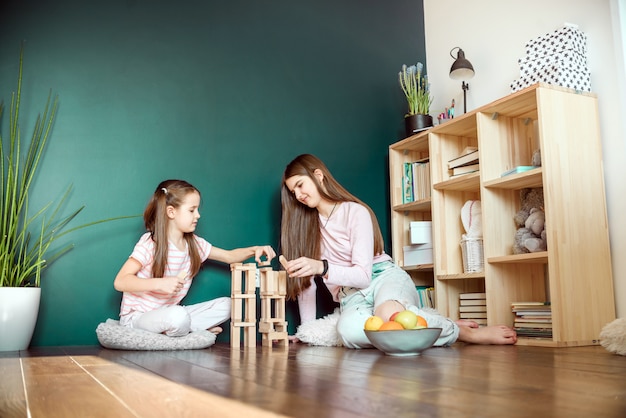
{"x": 530, "y": 220}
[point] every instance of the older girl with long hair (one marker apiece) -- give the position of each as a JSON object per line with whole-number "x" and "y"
{"x": 326, "y": 231}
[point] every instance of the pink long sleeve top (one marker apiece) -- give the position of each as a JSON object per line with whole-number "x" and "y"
{"x": 348, "y": 245}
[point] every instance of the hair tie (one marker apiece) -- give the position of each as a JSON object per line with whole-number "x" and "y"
{"x": 164, "y": 190}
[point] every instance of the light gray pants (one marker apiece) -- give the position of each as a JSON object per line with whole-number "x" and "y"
{"x": 178, "y": 320}
{"x": 389, "y": 282}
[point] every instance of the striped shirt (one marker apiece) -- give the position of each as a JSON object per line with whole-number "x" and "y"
{"x": 177, "y": 261}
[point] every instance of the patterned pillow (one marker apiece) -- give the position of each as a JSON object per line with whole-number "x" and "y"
{"x": 115, "y": 336}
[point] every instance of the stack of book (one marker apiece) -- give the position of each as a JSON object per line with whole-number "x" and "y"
{"x": 473, "y": 307}
{"x": 465, "y": 163}
{"x": 532, "y": 319}
{"x": 416, "y": 181}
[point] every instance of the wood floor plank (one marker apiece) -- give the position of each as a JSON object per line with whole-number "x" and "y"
{"x": 58, "y": 387}
{"x": 12, "y": 395}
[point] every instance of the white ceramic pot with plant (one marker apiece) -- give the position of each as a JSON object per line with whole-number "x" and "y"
{"x": 26, "y": 233}
{"x": 416, "y": 88}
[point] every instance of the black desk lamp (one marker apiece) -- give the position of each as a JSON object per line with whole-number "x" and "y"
{"x": 461, "y": 70}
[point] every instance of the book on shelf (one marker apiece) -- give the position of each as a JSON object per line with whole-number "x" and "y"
{"x": 475, "y": 308}
{"x": 421, "y": 179}
{"x": 536, "y": 319}
{"x": 468, "y": 158}
{"x": 534, "y": 332}
{"x": 416, "y": 181}
{"x": 426, "y": 296}
{"x": 472, "y": 302}
{"x": 465, "y": 169}
{"x": 407, "y": 183}
{"x": 518, "y": 169}
{"x": 540, "y": 325}
{"x": 531, "y": 306}
{"x": 473, "y": 315}
{"x": 473, "y": 295}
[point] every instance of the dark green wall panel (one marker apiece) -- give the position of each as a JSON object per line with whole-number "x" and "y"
{"x": 222, "y": 94}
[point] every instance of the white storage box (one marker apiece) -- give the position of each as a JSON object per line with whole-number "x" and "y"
{"x": 567, "y": 38}
{"x": 418, "y": 254}
{"x": 558, "y": 58}
{"x": 577, "y": 80}
{"x": 421, "y": 232}
{"x": 565, "y": 61}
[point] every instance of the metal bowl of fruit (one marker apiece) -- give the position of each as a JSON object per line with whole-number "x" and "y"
{"x": 405, "y": 334}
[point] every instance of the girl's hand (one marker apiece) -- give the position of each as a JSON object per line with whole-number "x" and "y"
{"x": 171, "y": 285}
{"x": 304, "y": 267}
{"x": 264, "y": 250}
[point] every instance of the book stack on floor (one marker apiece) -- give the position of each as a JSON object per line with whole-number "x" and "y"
{"x": 465, "y": 163}
{"x": 473, "y": 307}
{"x": 532, "y": 319}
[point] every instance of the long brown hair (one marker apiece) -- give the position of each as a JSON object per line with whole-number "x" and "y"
{"x": 300, "y": 226}
{"x": 168, "y": 193}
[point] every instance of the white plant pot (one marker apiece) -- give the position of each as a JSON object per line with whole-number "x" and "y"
{"x": 19, "y": 307}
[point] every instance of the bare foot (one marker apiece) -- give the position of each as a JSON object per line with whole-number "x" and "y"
{"x": 293, "y": 339}
{"x": 467, "y": 323}
{"x": 498, "y": 334}
{"x": 216, "y": 330}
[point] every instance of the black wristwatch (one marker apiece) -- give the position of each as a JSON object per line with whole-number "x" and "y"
{"x": 325, "y": 268}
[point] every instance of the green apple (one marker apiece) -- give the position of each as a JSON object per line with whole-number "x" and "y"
{"x": 408, "y": 319}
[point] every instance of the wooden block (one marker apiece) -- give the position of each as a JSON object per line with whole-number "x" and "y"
{"x": 272, "y": 338}
{"x": 283, "y": 261}
{"x": 235, "y": 335}
{"x": 282, "y": 283}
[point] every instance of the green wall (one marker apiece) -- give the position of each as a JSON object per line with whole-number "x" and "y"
{"x": 220, "y": 93}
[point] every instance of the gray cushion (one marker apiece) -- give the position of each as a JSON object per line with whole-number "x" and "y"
{"x": 113, "y": 335}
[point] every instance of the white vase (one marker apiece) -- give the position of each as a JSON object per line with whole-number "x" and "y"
{"x": 19, "y": 307}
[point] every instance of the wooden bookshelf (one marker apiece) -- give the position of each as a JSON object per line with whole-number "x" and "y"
{"x": 574, "y": 274}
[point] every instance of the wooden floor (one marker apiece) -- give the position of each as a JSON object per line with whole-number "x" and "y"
{"x": 302, "y": 381}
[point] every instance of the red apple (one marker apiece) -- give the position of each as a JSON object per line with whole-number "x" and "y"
{"x": 393, "y": 317}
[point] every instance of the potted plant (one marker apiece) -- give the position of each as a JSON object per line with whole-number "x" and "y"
{"x": 26, "y": 234}
{"x": 417, "y": 91}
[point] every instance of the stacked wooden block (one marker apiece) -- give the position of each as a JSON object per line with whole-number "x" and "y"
{"x": 273, "y": 290}
{"x": 243, "y": 304}
{"x": 272, "y": 325}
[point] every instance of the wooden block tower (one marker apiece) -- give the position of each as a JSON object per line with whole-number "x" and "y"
{"x": 272, "y": 325}
{"x": 243, "y": 304}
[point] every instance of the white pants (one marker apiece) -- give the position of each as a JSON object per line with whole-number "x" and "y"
{"x": 178, "y": 320}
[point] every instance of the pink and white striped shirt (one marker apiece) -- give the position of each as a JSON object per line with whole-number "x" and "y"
{"x": 177, "y": 261}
